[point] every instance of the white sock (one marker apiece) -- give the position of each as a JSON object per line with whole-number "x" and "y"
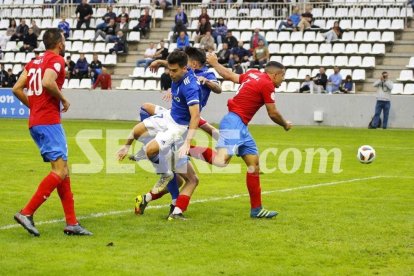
{"x": 177, "y": 211}
{"x": 148, "y": 197}
{"x": 173, "y": 201}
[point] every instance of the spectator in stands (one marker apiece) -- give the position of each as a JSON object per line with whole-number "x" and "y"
{"x": 320, "y": 80}
{"x": 288, "y": 24}
{"x": 224, "y": 55}
{"x": 166, "y": 80}
{"x": 181, "y": 17}
{"x": 241, "y": 53}
{"x": 305, "y": 22}
{"x": 122, "y": 26}
{"x": 260, "y": 56}
{"x": 64, "y": 26}
{"x": 4, "y": 76}
{"x": 82, "y": 67}
{"x": 104, "y": 80}
{"x": 162, "y": 52}
{"x": 230, "y": 40}
{"x": 29, "y": 42}
{"x": 84, "y": 13}
{"x": 106, "y": 18}
{"x": 143, "y": 23}
{"x": 106, "y": 33}
{"x": 207, "y": 42}
{"x": 203, "y": 15}
{"x": 178, "y": 28}
{"x": 11, "y": 30}
{"x": 203, "y": 27}
{"x": 12, "y": 79}
{"x": 36, "y": 29}
{"x": 148, "y": 56}
{"x": 220, "y": 31}
{"x": 163, "y": 4}
{"x": 292, "y": 21}
{"x": 95, "y": 68}
{"x": 70, "y": 68}
{"x": 183, "y": 40}
{"x": 307, "y": 85}
{"x": 347, "y": 85}
{"x": 121, "y": 45}
{"x": 384, "y": 87}
{"x": 122, "y": 14}
{"x": 21, "y": 31}
{"x": 334, "y": 81}
{"x": 254, "y": 41}
{"x": 334, "y": 33}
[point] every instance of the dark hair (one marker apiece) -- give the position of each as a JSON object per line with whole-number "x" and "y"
{"x": 11, "y": 22}
{"x": 196, "y": 54}
{"x": 178, "y": 57}
{"x": 275, "y": 64}
{"x": 348, "y": 77}
{"x": 385, "y": 72}
{"x": 51, "y": 38}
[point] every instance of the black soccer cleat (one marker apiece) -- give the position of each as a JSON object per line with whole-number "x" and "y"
{"x": 76, "y": 230}
{"x": 27, "y": 223}
{"x": 179, "y": 216}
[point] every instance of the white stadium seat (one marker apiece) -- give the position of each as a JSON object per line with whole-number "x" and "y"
{"x": 398, "y": 88}
{"x": 271, "y": 36}
{"x": 125, "y": 84}
{"x": 409, "y": 89}
{"x": 315, "y": 61}
{"x": 286, "y": 48}
{"x": 312, "y": 48}
{"x": 361, "y": 36}
{"x": 365, "y": 48}
{"x": 368, "y": 62}
{"x": 301, "y": 61}
{"x": 358, "y": 74}
{"x": 293, "y": 87}
{"x": 388, "y": 37}
{"x": 341, "y": 61}
{"x": 137, "y": 85}
{"x": 110, "y": 59}
{"x": 374, "y": 36}
{"x": 411, "y": 63}
{"x": 291, "y": 74}
{"x": 138, "y": 72}
{"x": 303, "y": 72}
{"x": 328, "y": 60}
{"x": 325, "y": 48}
{"x": 151, "y": 85}
{"x": 73, "y": 84}
{"x": 85, "y": 84}
{"x": 355, "y": 61}
{"x": 288, "y": 60}
{"x": 378, "y": 48}
{"x": 283, "y": 36}
{"x": 406, "y": 75}
{"x": 338, "y": 48}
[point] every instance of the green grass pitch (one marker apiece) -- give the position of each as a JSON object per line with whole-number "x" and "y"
{"x": 360, "y": 223}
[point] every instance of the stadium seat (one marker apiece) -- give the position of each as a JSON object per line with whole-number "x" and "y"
{"x": 267, "y": 13}
{"x": 256, "y": 13}
{"x": 355, "y": 61}
{"x": 134, "y": 36}
{"x": 29, "y": 57}
{"x": 358, "y": 24}
{"x": 125, "y": 84}
{"x": 325, "y": 49}
{"x": 351, "y": 48}
{"x": 246, "y": 36}
{"x": 273, "y": 48}
{"x": 365, "y": 48}
{"x": 291, "y": 74}
{"x": 303, "y": 72}
{"x": 345, "y": 24}
{"x": 378, "y": 48}
{"x": 328, "y": 61}
{"x": 269, "y": 24}
{"x": 88, "y": 47}
{"x": 8, "y": 57}
{"x": 149, "y": 74}
{"x": 74, "y": 84}
{"x": 110, "y": 59}
{"x": 348, "y": 36}
{"x": 358, "y": 74}
{"x": 312, "y": 48}
{"x": 77, "y": 46}
{"x": 345, "y": 72}
{"x": 19, "y": 57}
{"x": 367, "y": 12}
{"x": 299, "y": 48}
{"x": 65, "y": 84}
{"x": 354, "y": 12}
{"x": 288, "y": 61}
{"x": 231, "y": 13}
{"x": 286, "y": 48}
{"x": 296, "y": 36}
{"x": 220, "y": 13}
{"x": 85, "y": 84}
{"x": 11, "y": 46}
{"x": 380, "y": 12}
{"x": 293, "y": 87}
{"x": 282, "y": 87}
{"x": 393, "y": 12}
{"x": 257, "y": 24}
{"x": 361, "y": 36}
{"x": 271, "y": 36}
{"x": 151, "y": 85}
{"x": 17, "y": 68}
{"x": 329, "y": 13}
{"x": 301, "y": 61}
{"x": 317, "y": 12}
{"x": 320, "y": 22}
{"x": 315, "y": 61}
{"x": 232, "y": 24}
{"x": 138, "y": 72}
{"x": 283, "y": 36}
{"x": 109, "y": 46}
{"x": 397, "y": 24}
{"x": 374, "y": 37}
{"x": 411, "y": 63}
{"x": 387, "y": 37}
{"x": 276, "y": 58}
{"x": 368, "y": 62}
{"x": 341, "y": 13}
{"x": 137, "y": 85}
{"x": 409, "y": 89}
{"x": 244, "y": 24}
{"x": 371, "y": 24}
{"x": 227, "y": 86}
{"x": 406, "y": 75}
{"x": 338, "y": 48}
{"x": 384, "y": 24}
{"x": 341, "y": 61}
{"x": 398, "y": 88}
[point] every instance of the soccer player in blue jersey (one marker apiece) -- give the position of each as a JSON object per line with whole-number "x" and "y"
{"x": 208, "y": 83}
{"x": 170, "y": 126}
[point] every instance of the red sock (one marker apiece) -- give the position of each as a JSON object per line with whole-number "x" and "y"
{"x": 202, "y": 153}
{"x": 182, "y": 202}
{"x": 159, "y": 195}
{"x": 66, "y": 197}
{"x": 46, "y": 187}
{"x": 255, "y": 192}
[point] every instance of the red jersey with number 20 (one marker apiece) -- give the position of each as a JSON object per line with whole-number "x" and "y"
{"x": 44, "y": 108}
{"x": 256, "y": 89}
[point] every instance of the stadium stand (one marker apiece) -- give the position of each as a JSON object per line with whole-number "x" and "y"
{"x": 377, "y": 37}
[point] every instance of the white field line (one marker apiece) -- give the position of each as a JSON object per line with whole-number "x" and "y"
{"x": 110, "y": 213}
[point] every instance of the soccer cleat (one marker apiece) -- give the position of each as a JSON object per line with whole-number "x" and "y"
{"x": 162, "y": 182}
{"x": 76, "y": 230}
{"x": 171, "y": 210}
{"x": 262, "y": 213}
{"x": 140, "y": 204}
{"x": 179, "y": 216}
{"x": 140, "y": 155}
{"x": 27, "y": 223}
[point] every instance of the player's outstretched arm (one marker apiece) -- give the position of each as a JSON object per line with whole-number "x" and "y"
{"x": 49, "y": 82}
{"x": 277, "y": 117}
{"x": 18, "y": 89}
{"x": 223, "y": 71}
{"x": 156, "y": 64}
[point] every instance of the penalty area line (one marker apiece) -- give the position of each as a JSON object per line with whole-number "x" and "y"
{"x": 121, "y": 212}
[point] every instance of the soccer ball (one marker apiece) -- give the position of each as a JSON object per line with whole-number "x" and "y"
{"x": 366, "y": 154}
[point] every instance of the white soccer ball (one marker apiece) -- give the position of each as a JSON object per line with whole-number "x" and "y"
{"x": 366, "y": 154}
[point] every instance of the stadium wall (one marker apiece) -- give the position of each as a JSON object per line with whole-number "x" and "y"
{"x": 338, "y": 110}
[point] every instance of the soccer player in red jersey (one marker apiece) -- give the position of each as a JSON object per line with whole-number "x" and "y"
{"x": 43, "y": 78}
{"x": 256, "y": 89}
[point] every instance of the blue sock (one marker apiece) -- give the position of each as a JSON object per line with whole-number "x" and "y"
{"x": 173, "y": 187}
{"x": 143, "y": 114}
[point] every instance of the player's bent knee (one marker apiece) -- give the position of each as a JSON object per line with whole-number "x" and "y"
{"x": 149, "y": 107}
{"x": 253, "y": 169}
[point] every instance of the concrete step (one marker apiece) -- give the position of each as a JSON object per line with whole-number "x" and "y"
{"x": 408, "y": 34}
{"x": 392, "y": 73}
{"x": 403, "y": 47}
{"x": 125, "y": 71}
{"x": 395, "y": 61}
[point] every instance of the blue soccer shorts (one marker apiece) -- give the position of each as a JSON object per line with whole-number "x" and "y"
{"x": 51, "y": 141}
{"x": 235, "y": 136}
